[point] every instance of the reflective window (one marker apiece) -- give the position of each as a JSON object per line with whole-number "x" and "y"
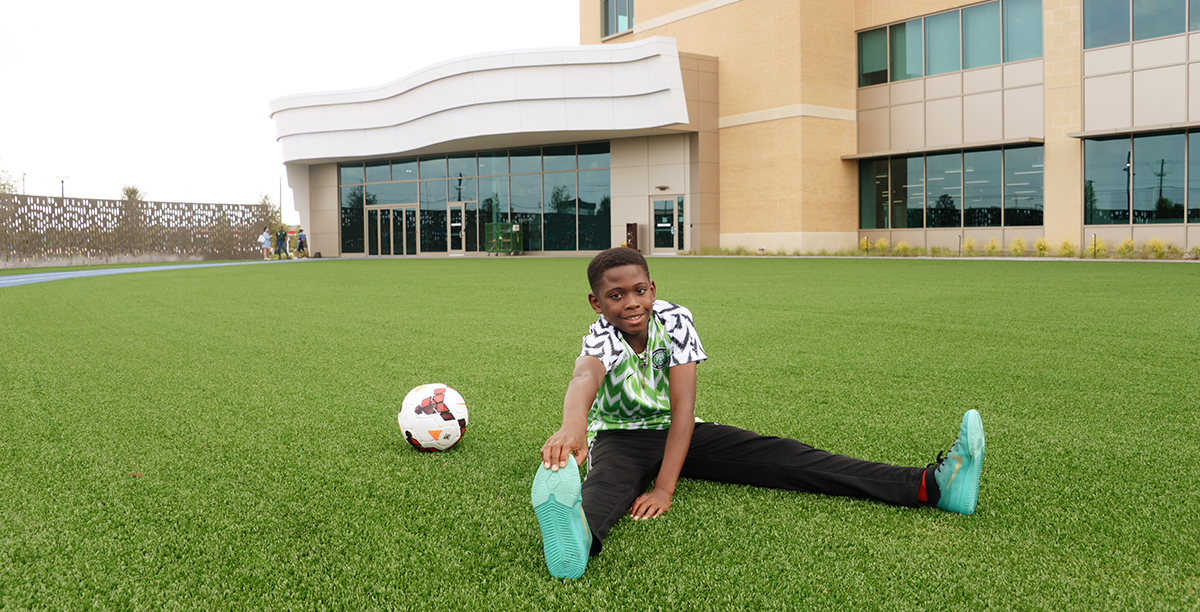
{"x": 981, "y": 188}
{"x": 1193, "y": 177}
{"x": 1193, "y": 15}
{"x": 593, "y": 155}
{"x": 462, "y": 189}
{"x": 524, "y": 161}
{"x": 462, "y": 165}
{"x": 352, "y": 218}
{"x": 404, "y": 170}
{"x": 1105, "y": 22}
{"x": 908, "y": 192}
{"x": 557, "y": 159}
{"x": 1154, "y": 18}
{"x": 372, "y": 232}
{"x": 906, "y": 50}
{"x": 872, "y": 194}
{"x": 595, "y": 206}
{"x": 379, "y": 172}
{"x": 493, "y": 199}
{"x": 352, "y": 174}
{"x": 1158, "y": 167}
{"x": 393, "y": 193}
{"x": 559, "y": 188}
{"x": 981, "y": 35}
{"x": 1022, "y": 30}
{"x": 944, "y": 179}
{"x": 873, "y": 57}
{"x": 1106, "y": 181}
{"x": 433, "y": 168}
{"x": 942, "y": 44}
{"x": 618, "y": 16}
{"x": 527, "y": 208}
{"x": 493, "y": 163}
{"x": 1023, "y": 186}
{"x": 433, "y": 215}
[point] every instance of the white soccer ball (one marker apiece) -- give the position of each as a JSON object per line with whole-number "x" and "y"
{"x": 433, "y": 417}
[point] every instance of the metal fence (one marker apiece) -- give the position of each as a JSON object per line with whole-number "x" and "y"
{"x": 46, "y": 231}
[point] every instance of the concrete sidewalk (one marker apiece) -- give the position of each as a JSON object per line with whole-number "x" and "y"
{"x": 26, "y": 279}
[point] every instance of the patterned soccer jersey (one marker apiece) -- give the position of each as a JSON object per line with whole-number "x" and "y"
{"x": 635, "y": 393}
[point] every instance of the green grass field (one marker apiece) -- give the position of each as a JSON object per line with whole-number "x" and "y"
{"x": 226, "y": 437}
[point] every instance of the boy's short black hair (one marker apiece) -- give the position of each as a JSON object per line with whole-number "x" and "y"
{"x": 614, "y": 258}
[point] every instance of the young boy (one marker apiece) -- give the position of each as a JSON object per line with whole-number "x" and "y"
{"x": 630, "y": 411}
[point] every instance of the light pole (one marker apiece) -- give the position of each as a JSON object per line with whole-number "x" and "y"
{"x": 62, "y": 183}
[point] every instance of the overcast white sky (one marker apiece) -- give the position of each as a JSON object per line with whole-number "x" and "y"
{"x": 172, "y": 97}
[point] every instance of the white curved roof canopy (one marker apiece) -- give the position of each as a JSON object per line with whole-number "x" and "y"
{"x": 494, "y": 100}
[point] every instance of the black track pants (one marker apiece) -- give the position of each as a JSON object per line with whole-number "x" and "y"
{"x": 623, "y": 463}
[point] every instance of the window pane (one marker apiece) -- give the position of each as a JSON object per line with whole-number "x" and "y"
{"x": 944, "y": 179}
{"x": 872, "y": 194}
{"x": 1158, "y": 179}
{"x": 872, "y": 57}
{"x": 595, "y": 204}
{"x": 908, "y": 191}
{"x": 379, "y": 172}
{"x": 352, "y": 219}
{"x": 1106, "y": 181}
{"x": 433, "y": 168}
{"x": 372, "y": 232}
{"x": 1105, "y": 22}
{"x": 1023, "y": 200}
{"x": 560, "y": 211}
{"x": 462, "y": 189}
{"x": 463, "y": 165}
{"x": 1193, "y": 178}
{"x": 981, "y": 35}
{"x": 527, "y": 208}
{"x": 610, "y": 17}
{"x": 352, "y": 175}
{"x": 433, "y": 215}
{"x": 1154, "y": 18}
{"x": 1022, "y": 30}
{"x": 594, "y": 155}
{"x": 556, "y": 159}
{"x": 1194, "y": 15}
{"x": 941, "y": 44}
{"x": 404, "y": 170}
{"x": 493, "y": 200}
{"x": 981, "y": 188}
{"x": 393, "y": 193}
{"x": 526, "y": 160}
{"x": 906, "y": 50}
{"x": 472, "y": 226}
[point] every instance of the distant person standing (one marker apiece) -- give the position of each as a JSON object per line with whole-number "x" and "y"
{"x": 301, "y": 243}
{"x": 281, "y": 243}
{"x": 265, "y": 242}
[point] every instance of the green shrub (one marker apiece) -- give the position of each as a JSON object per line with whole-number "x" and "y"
{"x": 968, "y": 247}
{"x": 1017, "y": 248}
{"x": 937, "y": 251}
{"x": 1194, "y": 253}
{"x": 1066, "y": 249}
{"x": 864, "y": 245}
{"x": 1097, "y": 248}
{"x": 1174, "y": 252}
{"x": 881, "y": 246}
{"x": 1126, "y": 249}
{"x": 903, "y": 249}
{"x": 740, "y": 250}
{"x": 1154, "y": 248}
{"x": 1041, "y": 247}
{"x": 992, "y": 248}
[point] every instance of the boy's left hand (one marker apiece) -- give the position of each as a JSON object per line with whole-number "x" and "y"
{"x": 650, "y": 505}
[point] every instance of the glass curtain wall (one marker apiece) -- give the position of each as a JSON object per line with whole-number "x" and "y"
{"x": 945, "y": 189}
{"x": 1022, "y": 29}
{"x": 873, "y": 57}
{"x": 1112, "y": 22}
{"x": 942, "y": 44}
{"x": 1023, "y": 186}
{"x": 981, "y": 35}
{"x": 560, "y": 195}
{"x": 1106, "y": 181}
{"x": 908, "y": 192}
{"x": 1158, "y": 184}
{"x": 1193, "y": 174}
{"x": 981, "y": 189}
{"x": 906, "y": 50}
{"x": 873, "y": 194}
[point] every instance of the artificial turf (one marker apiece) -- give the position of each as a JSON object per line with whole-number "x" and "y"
{"x": 224, "y": 438}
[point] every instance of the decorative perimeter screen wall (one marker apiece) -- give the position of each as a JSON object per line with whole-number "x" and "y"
{"x": 42, "y": 231}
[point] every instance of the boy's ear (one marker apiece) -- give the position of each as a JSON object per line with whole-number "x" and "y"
{"x": 595, "y": 302}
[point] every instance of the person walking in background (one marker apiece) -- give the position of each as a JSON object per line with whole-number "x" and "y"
{"x": 301, "y": 243}
{"x": 265, "y": 242}
{"x": 281, "y": 243}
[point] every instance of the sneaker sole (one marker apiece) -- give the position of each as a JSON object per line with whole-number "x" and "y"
{"x": 554, "y": 497}
{"x": 976, "y": 445}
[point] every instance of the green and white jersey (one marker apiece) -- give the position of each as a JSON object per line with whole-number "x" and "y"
{"x": 636, "y": 392}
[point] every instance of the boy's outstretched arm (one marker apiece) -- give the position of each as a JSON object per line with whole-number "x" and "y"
{"x": 679, "y": 439}
{"x": 571, "y": 438}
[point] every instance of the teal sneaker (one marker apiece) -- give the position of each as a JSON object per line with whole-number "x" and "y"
{"x": 566, "y": 539}
{"x": 958, "y": 472}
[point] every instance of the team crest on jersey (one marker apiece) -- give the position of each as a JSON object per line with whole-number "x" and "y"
{"x": 659, "y": 358}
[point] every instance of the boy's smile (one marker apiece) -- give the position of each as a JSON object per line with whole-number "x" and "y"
{"x": 625, "y": 298}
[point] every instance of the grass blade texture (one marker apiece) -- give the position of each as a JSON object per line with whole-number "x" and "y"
{"x": 226, "y": 438}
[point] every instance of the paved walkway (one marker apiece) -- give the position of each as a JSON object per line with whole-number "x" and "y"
{"x": 13, "y": 280}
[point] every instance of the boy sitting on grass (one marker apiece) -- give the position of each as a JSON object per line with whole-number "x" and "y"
{"x": 629, "y": 411}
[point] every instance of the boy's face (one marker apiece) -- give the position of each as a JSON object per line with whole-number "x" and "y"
{"x": 625, "y": 298}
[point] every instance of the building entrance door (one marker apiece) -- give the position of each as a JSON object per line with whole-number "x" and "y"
{"x": 667, "y": 213}
{"x": 392, "y": 231}
{"x": 454, "y": 228}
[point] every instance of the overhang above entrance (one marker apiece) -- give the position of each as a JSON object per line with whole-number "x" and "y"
{"x": 516, "y": 98}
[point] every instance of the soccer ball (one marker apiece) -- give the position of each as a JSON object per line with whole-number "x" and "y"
{"x": 433, "y": 417}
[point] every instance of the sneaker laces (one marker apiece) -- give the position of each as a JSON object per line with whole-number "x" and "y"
{"x": 941, "y": 457}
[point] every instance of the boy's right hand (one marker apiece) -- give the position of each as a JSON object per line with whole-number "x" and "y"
{"x": 561, "y": 445}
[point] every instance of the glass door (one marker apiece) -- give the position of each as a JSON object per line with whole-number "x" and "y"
{"x": 667, "y": 214}
{"x": 454, "y": 228}
{"x": 391, "y": 231}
